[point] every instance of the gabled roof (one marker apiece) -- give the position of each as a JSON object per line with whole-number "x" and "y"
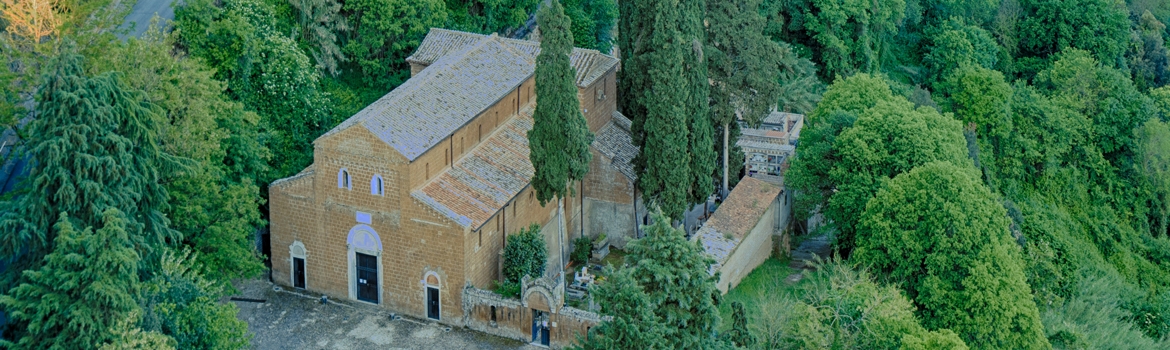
{"x": 614, "y": 141}
{"x": 461, "y": 84}
{"x": 735, "y": 218}
{"x": 590, "y": 64}
{"x": 484, "y": 180}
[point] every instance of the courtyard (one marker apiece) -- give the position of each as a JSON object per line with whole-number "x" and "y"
{"x": 282, "y": 319}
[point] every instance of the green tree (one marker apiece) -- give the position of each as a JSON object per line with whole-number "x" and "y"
{"x": 126, "y": 335}
{"x": 809, "y": 173}
{"x": 1153, "y": 162}
{"x": 674, "y": 274}
{"x": 560, "y": 138}
{"x": 739, "y": 335}
{"x": 1147, "y": 56}
{"x": 1098, "y": 26}
{"x": 525, "y": 254}
{"x": 95, "y": 145}
{"x": 85, "y": 286}
{"x": 322, "y": 25}
{"x": 215, "y": 203}
{"x": 182, "y": 304}
{"x": 634, "y": 324}
{"x": 744, "y": 68}
{"x": 961, "y": 267}
{"x": 696, "y": 107}
{"x": 593, "y": 23}
{"x": 490, "y": 16}
{"x": 956, "y": 44}
{"x": 1104, "y": 94}
{"x": 664, "y": 162}
{"x": 853, "y": 36}
{"x": 839, "y": 307}
{"x": 385, "y": 32}
{"x": 886, "y": 140}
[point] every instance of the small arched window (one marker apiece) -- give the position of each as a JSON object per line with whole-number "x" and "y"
{"x": 376, "y": 185}
{"x": 343, "y": 179}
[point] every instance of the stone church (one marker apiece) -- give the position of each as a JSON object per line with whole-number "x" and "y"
{"x": 408, "y": 202}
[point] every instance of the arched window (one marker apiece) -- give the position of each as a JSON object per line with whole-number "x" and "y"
{"x": 343, "y": 179}
{"x": 376, "y": 185}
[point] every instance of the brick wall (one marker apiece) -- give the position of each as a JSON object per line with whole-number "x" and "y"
{"x": 513, "y": 320}
{"x": 599, "y": 111}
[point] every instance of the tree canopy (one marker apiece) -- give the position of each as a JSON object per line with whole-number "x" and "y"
{"x": 940, "y": 235}
{"x": 559, "y": 140}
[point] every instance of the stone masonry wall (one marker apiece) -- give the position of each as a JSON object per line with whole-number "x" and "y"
{"x": 752, "y": 251}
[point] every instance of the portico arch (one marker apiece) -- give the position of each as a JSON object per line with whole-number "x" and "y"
{"x": 365, "y": 264}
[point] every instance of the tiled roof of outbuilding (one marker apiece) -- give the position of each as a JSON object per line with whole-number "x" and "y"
{"x": 614, "y": 141}
{"x": 735, "y": 218}
{"x": 483, "y": 181}
{"x": 590, "y": 64}
{"x": 427, "y": 108}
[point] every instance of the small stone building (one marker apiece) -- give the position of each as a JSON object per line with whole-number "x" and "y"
{"x": 740, "y": 235}
{"x": 769, "y": 147}
{"x": 408, "y": 203}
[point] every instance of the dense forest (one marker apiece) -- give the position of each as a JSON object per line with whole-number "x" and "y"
{"x": 993, "y": 174}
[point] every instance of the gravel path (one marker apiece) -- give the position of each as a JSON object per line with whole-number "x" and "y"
{"x": 287, "y": 320}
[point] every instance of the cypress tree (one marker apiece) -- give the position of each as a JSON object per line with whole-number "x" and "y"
{"x": 633, "y": 23}
{"x": 744, "y": 66}
{"x": 559, "y": 140}
{"x": 663, "y": 164}
{"x": 701, "y": 146}
{"x": 86, "y": 285}
{"x": 94, "y": 148}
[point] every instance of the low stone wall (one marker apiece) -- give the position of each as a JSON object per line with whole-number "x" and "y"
{"x": 488, "y": 312}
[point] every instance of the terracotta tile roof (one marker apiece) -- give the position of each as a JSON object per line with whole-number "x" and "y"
{"x": 735, "y": 218}
{"x": 427, "y": 108}
{"x": 484, "y": 180}
{"x": 590, "y": 64}
{"x": 614, "y": 141}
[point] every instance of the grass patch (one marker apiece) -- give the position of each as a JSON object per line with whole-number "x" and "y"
{"x": 767, "y": 279}
{"x": 616, "y": 257}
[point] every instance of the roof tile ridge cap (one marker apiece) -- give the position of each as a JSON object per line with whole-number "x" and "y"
{"x": 511, "y": 49}
{"x": 441, "y": 31}
{"x": 417, "y": 82}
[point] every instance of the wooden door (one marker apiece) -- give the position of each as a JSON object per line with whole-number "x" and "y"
{"x": 367, "y": 278}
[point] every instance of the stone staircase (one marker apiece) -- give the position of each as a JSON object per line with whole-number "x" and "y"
{"x": 804, "y": 256}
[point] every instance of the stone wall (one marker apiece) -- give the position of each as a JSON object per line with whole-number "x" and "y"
{"x": 755, "y": 247}
{"x": 491, "y": 313}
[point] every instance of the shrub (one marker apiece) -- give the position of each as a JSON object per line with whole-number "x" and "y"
{"x": 582, "y": 247}
{"x": 524, "y": 254}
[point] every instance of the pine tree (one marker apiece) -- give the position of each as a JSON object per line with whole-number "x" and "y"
{"x": 663, "y": 165}
{"x": 673, "y": 272}
{"x": 560, "y": 138}
{"x": 86, "y": 285}
{"x": 634, "y": 324}
{"x": 95, "y": 149}
{"x": 322, "y": 25}
{"x": 745, "y": 67}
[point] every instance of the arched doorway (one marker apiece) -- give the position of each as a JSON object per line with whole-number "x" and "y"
{"x": 434, "y": 307}
{"x": 365, "y": 264}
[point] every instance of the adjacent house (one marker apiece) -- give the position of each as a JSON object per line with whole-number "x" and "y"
{"x": 408, "y": 203}
{"x": 769, "y": 147}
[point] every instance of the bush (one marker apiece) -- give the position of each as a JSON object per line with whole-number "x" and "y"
{"x": 524, "y": 254}
{"x": 582, "y": 247}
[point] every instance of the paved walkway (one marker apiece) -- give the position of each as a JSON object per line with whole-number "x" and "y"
{"x": 287, "y": 320}
{"x": 143, "y": 11}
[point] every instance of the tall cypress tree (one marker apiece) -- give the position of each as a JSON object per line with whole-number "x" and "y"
{"x": 559, "y": 140}
{"x": 94, "y": 148}
{"x": 633, "y": 28}
{"x": 745, "y": 68}
{"x": 701, "y": 146}
{"x": 664, "y": 162}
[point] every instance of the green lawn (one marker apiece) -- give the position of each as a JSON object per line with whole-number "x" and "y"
{"x": 766, "y": 279}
